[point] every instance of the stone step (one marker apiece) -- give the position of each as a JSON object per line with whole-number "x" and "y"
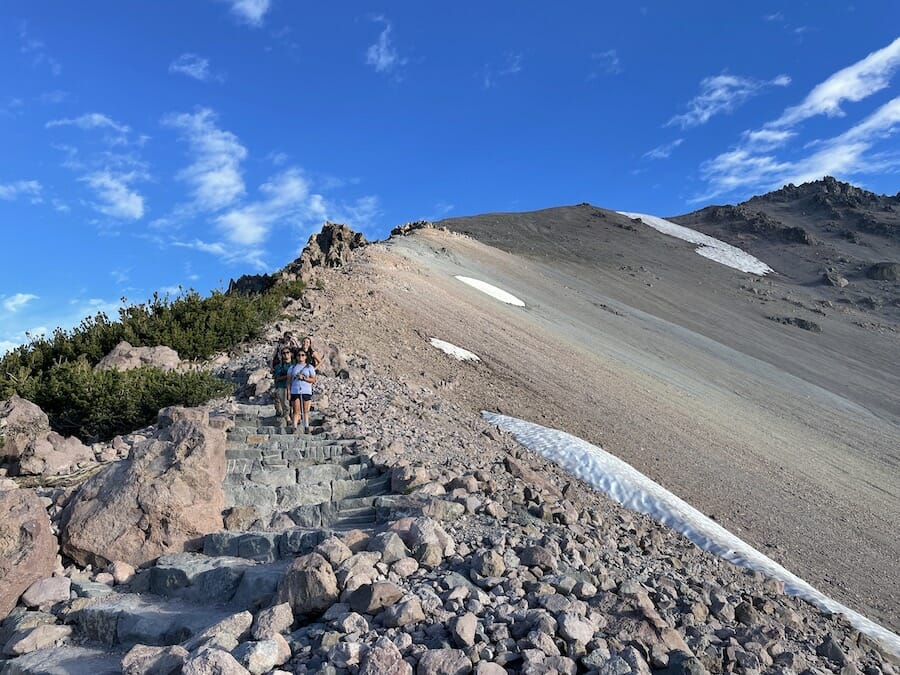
{"x": 263, "y": 546}
{"x": 71, "y": 660}
{"x": 125, "y": 619}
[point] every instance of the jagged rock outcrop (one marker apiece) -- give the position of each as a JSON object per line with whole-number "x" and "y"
{"x": 332, "y": 247}
{"x": 162, "y": 499}
{"x": 406, "y": 228}
{"x": 747, "y": 221}
{"x": 248, "y": 284}
{"x": 125, "y": 357}
{"x": 27, "y": 545}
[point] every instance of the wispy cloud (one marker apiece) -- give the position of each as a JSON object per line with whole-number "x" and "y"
{"x": 116, "y": 197}
{"x": 852, "y": 84}
{"x": 849, "y": 153}
{"x": 860, "y": 150}
{"x": 110, "y": 175}
{"x": 382, "y": 55}
{"x": 605, "y": 63}
{"x": 21, "y": 188}
{"x": 722, "y": 94}
{"x": 215, "y": 173}
{"x": 251, "y": 12}
{"x": 511, "y": 65}
{"x": 11, "y": 107}
{"x": 663, "y": 151}
{"x": 16, "y": 302}
{"x": 93, "y": 121}
{"x": 55, "y": 96}
{"x": 36, "y": 51}
{"x": 194, "y": 66}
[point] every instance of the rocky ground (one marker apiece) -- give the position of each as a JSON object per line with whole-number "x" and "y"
{"x": 479, "y": 557}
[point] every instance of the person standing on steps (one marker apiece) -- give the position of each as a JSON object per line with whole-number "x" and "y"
{"x": 313, "y": 357}
{"x": 302, "y": 377}
{"x": 281, "y": 374}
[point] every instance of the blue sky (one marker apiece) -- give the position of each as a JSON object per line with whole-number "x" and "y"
{"x": 147, "y": 146}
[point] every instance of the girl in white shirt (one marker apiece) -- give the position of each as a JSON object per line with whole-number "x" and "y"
{"x": 302, "y": 377}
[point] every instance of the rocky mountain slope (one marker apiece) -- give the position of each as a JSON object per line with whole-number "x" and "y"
{"x": 407, "y": 535}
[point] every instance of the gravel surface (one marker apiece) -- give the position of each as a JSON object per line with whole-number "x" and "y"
{"x": 667, "y": 361}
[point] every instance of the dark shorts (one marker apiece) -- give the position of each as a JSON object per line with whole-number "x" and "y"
{"x": 301, "y": 397}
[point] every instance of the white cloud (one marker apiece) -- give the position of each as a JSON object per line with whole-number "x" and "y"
{"x": 90, "y": 121}
{"x": 663, "y": 151}
{"x": 722, "y": 94}
{"x": 117, "y": 199}
{"x": 846, "y": 154}
{"x": 382, "y": 55}
{"x": 16, "y": 302}
{"x": 605, "y": 63}
{"x": 853, "y": 83}
{"x": 215, "y": 173}
{"x": 251, "y": 12}
{"x": 36, "y": 50}
{"x": 191, "y": 65}
{"x": 752, "y": 164}
{"x": 512, "y": 65}
{"x": 11, "y": 191}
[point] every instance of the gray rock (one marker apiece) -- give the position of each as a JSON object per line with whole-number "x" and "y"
{"x": 213, "y": 662}
{"x": 463, "y": 630}
{"x": 390, "y": 545}
{"x": 403, "y": 613}
{"x": 262, "y": 656}
{"x": 30, "y": 640}
{"x": 271, "y": 621}
{"x": 47, "y": 592}
{"x": 444, "y": 662}
{"x": 371, "y": 598}
{"x": 384, "y": 658}
{"x": 309, "y": 585}
{"x": 147, "y": 660}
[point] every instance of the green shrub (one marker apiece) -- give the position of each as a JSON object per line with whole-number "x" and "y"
{"x": 98, "y": 404}
{"x": 56, "y": 372}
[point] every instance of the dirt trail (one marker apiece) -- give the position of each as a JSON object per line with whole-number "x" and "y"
{"x": 805, "y": 475}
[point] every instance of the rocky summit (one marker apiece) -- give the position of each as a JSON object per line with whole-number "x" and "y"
{"x": 404, "y": 533}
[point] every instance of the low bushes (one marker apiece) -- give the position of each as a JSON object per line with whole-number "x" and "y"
{"x": 56, "y": 372}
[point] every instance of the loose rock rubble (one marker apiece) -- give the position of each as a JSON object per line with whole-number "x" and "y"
{"x": 479, "y": 558}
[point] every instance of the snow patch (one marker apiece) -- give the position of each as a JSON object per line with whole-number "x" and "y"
{"x": 453, "y": 350}
{"x": 493, "y": 291}
{"x": 634, "y": 490}
{"x": 709, "y": 247}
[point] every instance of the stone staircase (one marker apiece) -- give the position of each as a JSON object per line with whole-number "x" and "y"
{"x": 278, "y": 481}
{"x": 284, "y": 493}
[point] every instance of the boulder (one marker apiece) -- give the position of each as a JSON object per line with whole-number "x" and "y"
{"x": 309, "y": 586}
{"x": 884, "y": 271}
{"x": 53, "y": 455}
{"x": 163, "y": 499}
{"x": 21, "y": 421}
{"x": 27, "y": 545}
{"x": 126, "y": 357}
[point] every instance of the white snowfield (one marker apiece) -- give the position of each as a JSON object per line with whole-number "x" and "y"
{"x": 709, "y": 247}
{"x": 632, "y": 489}
{"x": 453, "y": 350}
{"x": 493, "y": 291}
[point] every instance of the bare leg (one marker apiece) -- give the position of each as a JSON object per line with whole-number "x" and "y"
{"x": 306, "y": 415}
{"x": 297, "y": 412}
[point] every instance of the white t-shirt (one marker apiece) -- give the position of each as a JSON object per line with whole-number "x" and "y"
{"x": 301, "y": 386}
